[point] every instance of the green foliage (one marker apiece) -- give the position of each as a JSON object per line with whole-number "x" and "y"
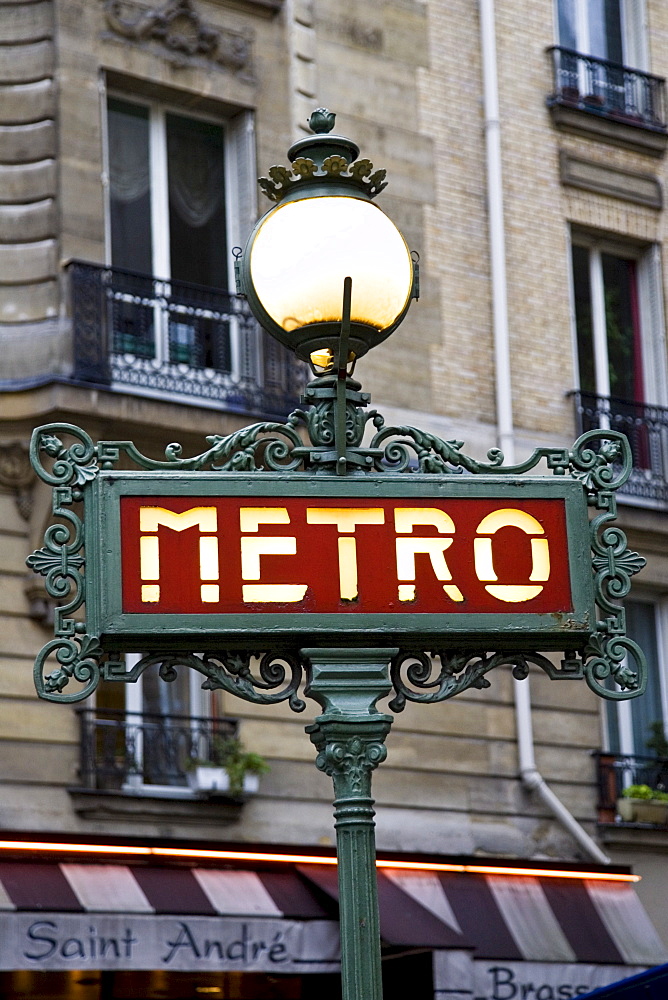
{"x": 657, "y": 741}
{"x": 230, "y": 754}
{"x": 644, "y": 792}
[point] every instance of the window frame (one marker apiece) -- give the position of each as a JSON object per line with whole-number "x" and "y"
{"x": 650, "y": 303}
{"x": 623, "y": 709}
{"x": 240, "y": 201}
{"x": 157, "y": 115}
{"x": 634, "y": 30}
{"x": 200, "y": 704}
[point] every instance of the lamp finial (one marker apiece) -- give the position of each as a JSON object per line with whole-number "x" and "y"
{"x": 321, "y": 121}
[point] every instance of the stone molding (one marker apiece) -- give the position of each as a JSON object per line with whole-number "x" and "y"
{"x": 142, "y": 806}
{"x": 602, "y": 178}
{"x": 615, "y": 133}
{"x": 16, "y": 475}
{"x": 178, "y": 27}
{"x": 28, "y": 182}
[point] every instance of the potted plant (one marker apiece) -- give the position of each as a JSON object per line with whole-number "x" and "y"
{"x": 230, "y": 768}
{"x": 643, "y": 804}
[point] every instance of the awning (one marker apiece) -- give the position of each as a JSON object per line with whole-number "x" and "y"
{"x": 284, "y": 918}
{"x": 512, "y": 917}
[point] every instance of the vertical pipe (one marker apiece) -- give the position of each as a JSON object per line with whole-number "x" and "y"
{"x": 529, "y": 774}
{"x": 504, "y": 400}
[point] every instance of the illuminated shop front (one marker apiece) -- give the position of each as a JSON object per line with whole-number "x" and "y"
{"x": 114, "y": 920}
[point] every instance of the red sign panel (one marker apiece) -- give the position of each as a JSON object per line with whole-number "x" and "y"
{"x": 469, "y": 555}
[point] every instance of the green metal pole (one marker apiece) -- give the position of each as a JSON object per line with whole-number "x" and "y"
{"x": 350, "y": 739}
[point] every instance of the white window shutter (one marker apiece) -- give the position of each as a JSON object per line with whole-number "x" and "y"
{"x": 653, "y": 327}
{"x": 242, "y": 179}
{"x": 242, "y": 212}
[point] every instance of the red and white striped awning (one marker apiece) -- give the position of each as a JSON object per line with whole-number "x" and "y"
{"x": 147, "y": 915}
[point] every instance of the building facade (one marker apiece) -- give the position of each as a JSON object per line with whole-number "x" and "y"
{"x": 525, "y": 144}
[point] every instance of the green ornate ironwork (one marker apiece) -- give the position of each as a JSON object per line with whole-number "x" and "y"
{"x": 600, "y": 461}
{"x": 261, "y": 678}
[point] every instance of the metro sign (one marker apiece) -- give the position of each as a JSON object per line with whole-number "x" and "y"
{"x": 373, "y": 559}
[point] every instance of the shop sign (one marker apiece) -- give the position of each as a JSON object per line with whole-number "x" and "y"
{"x": 219, "y": 555}
{"x": 56, "y": 941}
{"x": 457, "y": 975}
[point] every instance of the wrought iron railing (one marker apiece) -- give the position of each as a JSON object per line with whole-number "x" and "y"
{"x": 617, "y": 771}
{"x": 174, "y": 338}
{"x": 646, "y": 427}
{"x": 608, "y": 89}
{"x": 125, "y": 749}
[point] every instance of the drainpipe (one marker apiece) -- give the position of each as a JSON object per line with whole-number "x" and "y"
{"x": 533, "y": 780}
{"x": 504, "y": 399}
{"x": 530, "y": 776}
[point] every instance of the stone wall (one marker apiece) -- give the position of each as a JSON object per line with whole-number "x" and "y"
{"x": 29, "y": 221}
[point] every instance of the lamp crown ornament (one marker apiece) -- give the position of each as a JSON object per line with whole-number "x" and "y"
{"x": 323, "y": 158}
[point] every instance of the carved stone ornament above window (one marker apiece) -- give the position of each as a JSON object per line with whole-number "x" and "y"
{"x": 178, "y": 26}
{"x": 16, "y": 475}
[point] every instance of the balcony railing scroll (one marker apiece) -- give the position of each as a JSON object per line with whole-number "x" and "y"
{"x": 176, "y": 339}
{"x": 123, "y": 750}
{"x": 646, "y": 427}
{"x": 617, "y": 771}
{"x": 608, "y": 89}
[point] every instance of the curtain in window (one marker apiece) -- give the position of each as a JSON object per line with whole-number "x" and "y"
{"x": 197, "y": 223}
{"x": 130, "y": 206}
{"x": 195, "y": 170}
{"x": 129, "y": 177}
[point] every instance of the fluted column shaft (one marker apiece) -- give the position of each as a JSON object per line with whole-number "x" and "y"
{"x": 350, "y": 739}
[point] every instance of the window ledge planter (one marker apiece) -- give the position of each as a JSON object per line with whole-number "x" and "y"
{"x": 227, "y": 769}
{"x": 642, "y": 804}
{"x": 216, "y": 780}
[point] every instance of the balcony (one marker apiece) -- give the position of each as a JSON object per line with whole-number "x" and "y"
{"x": 176, "y": 340}
{"x": 605, "y": 88}
{"x": 615, "y": 772}
{"x": 646, "y": 427}
{"x": 143, "y": 753}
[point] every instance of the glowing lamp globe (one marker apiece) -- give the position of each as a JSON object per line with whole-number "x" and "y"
{"x": 325, "y": 228}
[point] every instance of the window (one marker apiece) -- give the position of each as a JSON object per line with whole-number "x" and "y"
{"x": 620, "y": 351}
{"x": 618, "y": 321}
{"x": 629, "y": 723}
{"x": 607, "y": 315}
{"x": 146, "y": 735}
{"x": 612, "y": 30}
{"x": 601, "y": 65}
{"x": 167, "y": 194}
{"x": 180, "y": 196}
